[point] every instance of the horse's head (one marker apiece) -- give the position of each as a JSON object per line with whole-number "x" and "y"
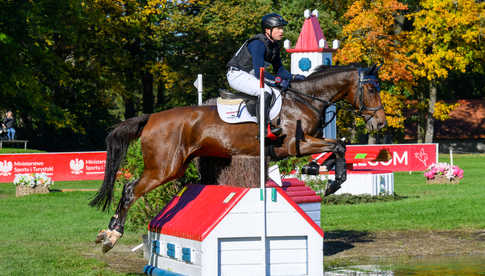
{"x": 358, "y": 86}
{"x": 366, "y": 98}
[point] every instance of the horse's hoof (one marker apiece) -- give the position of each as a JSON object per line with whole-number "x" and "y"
{"x": 107, "y": 246}
{"x": 101, "y": 236}
{"x": 111, "y": 238}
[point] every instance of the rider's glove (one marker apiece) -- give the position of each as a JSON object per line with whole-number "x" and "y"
{"x": 282, "y": 83}
{"x": 297, "y": 77}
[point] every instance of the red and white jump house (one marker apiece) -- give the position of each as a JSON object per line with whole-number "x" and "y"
{"x": 372, "y": 182}
{"x": 216, "y": 230}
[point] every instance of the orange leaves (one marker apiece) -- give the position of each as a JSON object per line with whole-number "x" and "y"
{"x": 369, "y": 38}
{"x": 393, "y": 107}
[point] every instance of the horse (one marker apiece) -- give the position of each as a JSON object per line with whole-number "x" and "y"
{"x": 170, "y": 139}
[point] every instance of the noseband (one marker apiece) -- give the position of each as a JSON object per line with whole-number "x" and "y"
{"x": 359, "y": 96}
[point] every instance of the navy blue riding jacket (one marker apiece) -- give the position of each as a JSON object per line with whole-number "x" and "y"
{"x": 257, "y": 51}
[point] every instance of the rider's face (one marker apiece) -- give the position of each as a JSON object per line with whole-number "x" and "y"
{"x": 277, "y": 33}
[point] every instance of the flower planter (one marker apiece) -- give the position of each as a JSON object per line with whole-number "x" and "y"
{"x": 22, "y": 190}
{"x": 437, "y": 174}
{"x": 441, "y": 179}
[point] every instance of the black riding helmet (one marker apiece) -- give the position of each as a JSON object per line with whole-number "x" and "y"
{"x": 272, "y": 20}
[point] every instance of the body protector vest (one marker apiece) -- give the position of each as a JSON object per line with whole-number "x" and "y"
{"x": 243, "y": 59}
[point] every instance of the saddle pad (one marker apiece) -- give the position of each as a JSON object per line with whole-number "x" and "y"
{"x": 234, "y": 111}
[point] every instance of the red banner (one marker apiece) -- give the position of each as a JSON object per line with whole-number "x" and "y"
{"x": 404, "y": 157}
{"x": 90, "y": 165}
{"x": 58, "y": 166}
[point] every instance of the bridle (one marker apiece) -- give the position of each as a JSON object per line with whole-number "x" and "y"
{"x": 359, "y": 96}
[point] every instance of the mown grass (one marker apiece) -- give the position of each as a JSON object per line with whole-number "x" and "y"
{"x": 4, "y": 150}
{"x": 53, "y": 234}
{"x": 426, "y": 206}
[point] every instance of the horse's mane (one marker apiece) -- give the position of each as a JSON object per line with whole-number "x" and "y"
{"x": 325, "y": 70}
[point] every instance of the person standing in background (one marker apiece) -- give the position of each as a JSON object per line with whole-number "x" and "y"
{"x": 9, "y": 124}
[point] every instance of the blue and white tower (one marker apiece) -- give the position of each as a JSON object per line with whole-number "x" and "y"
{"x": 312, "y": 50}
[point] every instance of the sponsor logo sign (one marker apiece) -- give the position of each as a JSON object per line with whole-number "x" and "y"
{"x": 404, "y": 157}
{"x": 58, "y": 166}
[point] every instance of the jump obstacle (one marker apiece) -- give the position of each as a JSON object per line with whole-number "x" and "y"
{"x": 216, "y": 230}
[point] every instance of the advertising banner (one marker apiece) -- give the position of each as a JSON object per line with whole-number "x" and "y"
{"x": 404, "y": 157}
{"x": 58, "y": 166}
{"x": 71, "y": 166}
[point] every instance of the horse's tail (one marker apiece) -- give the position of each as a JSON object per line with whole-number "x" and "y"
{"x": 117, "y": 143}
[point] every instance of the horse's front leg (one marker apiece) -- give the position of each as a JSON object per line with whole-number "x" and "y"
{"x": 310, "y": 145}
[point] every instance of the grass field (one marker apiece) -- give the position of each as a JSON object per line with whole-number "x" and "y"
{"x": 5, "y": 150}
{"x": 427, "y": 206}
{"x": 53, "y": 234}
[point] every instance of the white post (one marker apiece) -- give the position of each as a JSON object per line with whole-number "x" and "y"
{"x": 262, "y": 168}
{"x": 451, "y": 156}
{"x": 198, "y": 85}
{"x": 450, "y": 171}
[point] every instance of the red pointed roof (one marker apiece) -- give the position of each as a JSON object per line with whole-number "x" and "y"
{"x": 310, "y": 34}
{"x": 198, "y": 209}
{"x": 195, "y": 211}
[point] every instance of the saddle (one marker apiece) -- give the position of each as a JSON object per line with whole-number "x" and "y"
{"x": 250, "y": 101}
{"x": 236, "y": 107}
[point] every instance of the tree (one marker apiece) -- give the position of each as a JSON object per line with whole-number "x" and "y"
{"x": 447, "y": 36}
{"x": 369, "y": 37}
{"x": 47, "y": 78}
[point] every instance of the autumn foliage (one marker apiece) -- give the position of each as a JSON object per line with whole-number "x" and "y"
{"x": 447, "y": 36}
{"x": 369, "y": 38}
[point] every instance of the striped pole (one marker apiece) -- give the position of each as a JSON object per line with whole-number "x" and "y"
{"x": 262, "y": 165}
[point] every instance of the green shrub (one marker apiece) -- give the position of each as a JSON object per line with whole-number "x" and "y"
{"x": 317, "y": 184}
{"x": 291, "y": 163}
{"x": 358, "y": 199}
{"x": 148, "y": 206}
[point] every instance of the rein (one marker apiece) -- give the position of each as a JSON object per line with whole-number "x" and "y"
{"x": 301, "y": 98}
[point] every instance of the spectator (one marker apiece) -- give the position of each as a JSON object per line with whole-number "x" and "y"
{"x": 9, "y": 124}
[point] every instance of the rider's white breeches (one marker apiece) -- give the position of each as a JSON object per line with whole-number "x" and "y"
{"x": 245, "y": 82}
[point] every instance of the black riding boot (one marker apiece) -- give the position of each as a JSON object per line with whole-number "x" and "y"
{"x": 270, "y": 131}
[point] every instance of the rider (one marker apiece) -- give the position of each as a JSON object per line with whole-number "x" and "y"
{"x": 243, "y": 73}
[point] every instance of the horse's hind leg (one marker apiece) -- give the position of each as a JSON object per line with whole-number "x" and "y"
{"x": 116, "y": 225}
{"x": 150, "y": 179}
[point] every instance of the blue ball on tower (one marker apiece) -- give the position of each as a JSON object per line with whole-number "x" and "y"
{"x": 304, "y": 64}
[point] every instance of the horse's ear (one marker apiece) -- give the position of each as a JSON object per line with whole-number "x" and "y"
{"x": 378, "y": 68}
{"x": 372, "y": 70}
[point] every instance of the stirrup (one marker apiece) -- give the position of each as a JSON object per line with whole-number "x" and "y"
{"x": 272, "y": 134}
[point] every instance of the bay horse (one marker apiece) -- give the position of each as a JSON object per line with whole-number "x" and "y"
{"x": 170, "y": 139}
